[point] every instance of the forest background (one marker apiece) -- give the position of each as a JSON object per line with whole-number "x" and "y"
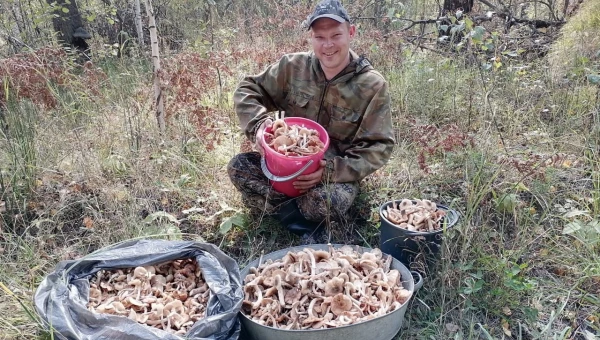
{"x": 496, "y": 108}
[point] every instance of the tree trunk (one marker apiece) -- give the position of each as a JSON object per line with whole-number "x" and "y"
{"x": 69, "y": 25}
{"x": 452, "y": 5}
{"x": 377, "y": 12}
{"x": 15, "y": 30}
{"x": 158, "y": 98}
{"x": 20, "y": 24}
{"x": 138, "y": 23}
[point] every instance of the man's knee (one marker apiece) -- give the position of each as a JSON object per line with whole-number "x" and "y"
{"x": 241, "y": 164}
{"x": 235, "y": 164}
{"x": 328, "y": 201}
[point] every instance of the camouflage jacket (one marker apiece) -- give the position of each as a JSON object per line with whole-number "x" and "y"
{"x": 354, "y": 108}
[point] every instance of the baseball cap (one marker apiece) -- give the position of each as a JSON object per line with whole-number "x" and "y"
{"x": 331, "y": 9}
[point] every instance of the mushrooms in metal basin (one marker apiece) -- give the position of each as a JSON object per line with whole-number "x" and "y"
{"x": 170, "y": 296}
{"x": 316, "y": 289}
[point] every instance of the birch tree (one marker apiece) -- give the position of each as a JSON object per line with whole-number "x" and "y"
{"x": 138, "y": 22}
{"x": 158, "y": 98}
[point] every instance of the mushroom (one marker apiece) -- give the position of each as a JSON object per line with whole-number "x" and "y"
{"x": 312, "y": 317}
{"x": 175, "y": 306}
{"x": 402, "y": 295}
{"x": 420, "y": 215}
{"x": 156, "y": 295}
{"x": 95, "y": 294}
{"x": 320, "y": 324}
{"x": 315, "y": 289}
{"x": 158, "y": 283}
{"x": 141, "y": 318}
{"x": 254, "y": 290}
{"x": 292, "y": 296}
{"x": 329, "y": 267}
{"x": 293, "y": 140}
{"x": 334, "y": 286}
{"x": 321, "y": 255}
{"x": 131, "y": 302}
{"x": 305, "y": 286}
{"x": 393, "y": 277}
{"x": 176, "y": 320}
{"x": 405, "y": 203}
{"x": 140, "y": 272}
{"x": 340, "y": 303}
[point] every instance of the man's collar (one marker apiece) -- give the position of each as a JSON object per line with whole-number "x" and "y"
{"x": 356, "y": 65}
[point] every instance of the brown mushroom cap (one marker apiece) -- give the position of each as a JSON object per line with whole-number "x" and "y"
{"x": 369, "y": 256}
{"x": 340, "y": 303}
{"x": 334, "y": 286}
{"x": 321, "y": 255}
{"x": 292, "y": 296}
{"x": 393, "y": 277}
{"x": 429, "y": 205}
{"x": 405, "y": 203}
{"x": 402, "y": 295}
{"x": 368, "y": 265}
{"x": 140, "y": 272}
{"x": 158, "y": 282}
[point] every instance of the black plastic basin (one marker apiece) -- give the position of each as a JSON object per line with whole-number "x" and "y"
{"x": 407, "y": 246}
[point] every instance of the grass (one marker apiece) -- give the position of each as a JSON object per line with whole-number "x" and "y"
{"x": 523, "y": 262}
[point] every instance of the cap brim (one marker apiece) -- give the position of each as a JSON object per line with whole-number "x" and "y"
{"x": 330, "y": 16}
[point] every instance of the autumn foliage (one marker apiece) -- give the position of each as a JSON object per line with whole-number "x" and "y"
{"x": 32, "y": 76}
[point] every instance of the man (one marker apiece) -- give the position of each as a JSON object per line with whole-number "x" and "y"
{"x": 336, "y": 88}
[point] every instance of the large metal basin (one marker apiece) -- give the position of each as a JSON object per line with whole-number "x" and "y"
{"x": 382, "y": 328}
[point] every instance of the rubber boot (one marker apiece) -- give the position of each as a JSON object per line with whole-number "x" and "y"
{"x": 292, "y": 219}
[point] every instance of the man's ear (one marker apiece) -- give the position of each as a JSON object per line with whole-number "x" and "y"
{"x": 352, "y": 31}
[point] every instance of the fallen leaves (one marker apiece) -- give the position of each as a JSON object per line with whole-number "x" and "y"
{"x": 88, "y": 222}
{"x": 506, "y": 328}
{"x": 452, "y": 328}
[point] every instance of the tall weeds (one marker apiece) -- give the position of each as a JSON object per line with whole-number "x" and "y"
{"x": 18, "y": 146}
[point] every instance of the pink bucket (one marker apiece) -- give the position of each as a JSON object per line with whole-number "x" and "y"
{"x": 282, "y": 170}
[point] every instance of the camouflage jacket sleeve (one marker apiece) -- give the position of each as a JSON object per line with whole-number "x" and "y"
{"x": 372, "y": 145}
{"x": 257, "y": 95}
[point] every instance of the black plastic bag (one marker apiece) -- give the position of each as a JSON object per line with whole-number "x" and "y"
{"x": 62, "y": 296}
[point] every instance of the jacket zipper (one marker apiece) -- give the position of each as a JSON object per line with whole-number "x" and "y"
{"x": 322, "y": 100}
{"x": 327, "y": 82}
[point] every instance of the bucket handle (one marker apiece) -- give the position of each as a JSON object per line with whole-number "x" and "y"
{"x": 452, "y": 217}
{"x": 274, "y": 178}
{"x": 419, "y": 283}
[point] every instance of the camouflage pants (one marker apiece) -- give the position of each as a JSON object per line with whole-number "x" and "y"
{"x": 325, "y": 200}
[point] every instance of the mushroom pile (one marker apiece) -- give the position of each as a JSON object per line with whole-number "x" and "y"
{"x": 293, "y": 140}
{"x": 317, "y": 289}
{"x": 171, "y": 296}
{"x": 417, "y": 215}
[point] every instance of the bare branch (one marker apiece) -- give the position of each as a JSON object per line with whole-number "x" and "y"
{"x": 421, "y": 22}
{"x": 487, "y": 3}
{"x": 565, "y": 7}
{"x": 418, "y": 45}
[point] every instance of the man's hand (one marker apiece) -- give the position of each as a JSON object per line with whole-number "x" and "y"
{"x": 259, "y": 135}
{"x": 305, "y": 182}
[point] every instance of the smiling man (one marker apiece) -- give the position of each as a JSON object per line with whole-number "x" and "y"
{"x": 340, "y": 90}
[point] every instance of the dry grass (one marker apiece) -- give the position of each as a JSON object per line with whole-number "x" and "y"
{"x": 514, "y": 152}
{"x": 576, "y": 52}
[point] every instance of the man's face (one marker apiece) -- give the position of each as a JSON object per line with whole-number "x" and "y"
{"x": 331, "y": 44}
